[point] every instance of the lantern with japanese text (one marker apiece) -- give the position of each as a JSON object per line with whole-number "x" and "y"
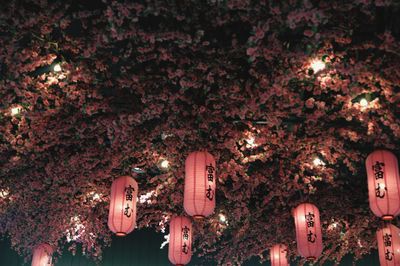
{"x": 278, "y": 255}
{"x": 200, "y": 184}
{"x": 42, "y": 255}
{"x": 308, "y": 231}
{"x": 122, "y": 213}
{"x": 180, "y": 240}
{"x": 383, "y": 184}
{"x": 388, "y": 239}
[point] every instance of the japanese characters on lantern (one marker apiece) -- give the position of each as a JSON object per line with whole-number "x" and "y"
{"x": 278, "y": 255}
{"x": 122, "y": 213}
{"x": 308, "y": 231}
{"x": 180, "y": 240}
{"x": 200, "y": 184}
{"x": 388, "y": 239}
{"x": 42, "y": 255}
{"x": 383, "y": 184}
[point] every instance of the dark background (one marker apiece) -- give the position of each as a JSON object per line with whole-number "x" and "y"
{"x": 142, "y": 248}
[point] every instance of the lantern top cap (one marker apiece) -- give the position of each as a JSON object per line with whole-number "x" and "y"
{"x": 301, "y": 205}
{"x": 306, "y": 203}
{"x": 200, "y": 151}
{"x": 125, "y": 177}
{"x": 381, "y": 150}
{"x": 196, "y": 153}
{"x": 279, "y": 245}
{"x": 45, "y": 246}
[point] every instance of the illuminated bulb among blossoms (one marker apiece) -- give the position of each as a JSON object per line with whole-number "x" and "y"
{"x": 15, "y": 111}
{"x": 250, "y": 140}
{"x": 222, "y": 218}
{"x": 318, "y": 162}
{"x": 57, "y": 68}
{"x": 96, "y": 196}
{"x": 317, "y": 65}
{"x": 164, "y": 164}
{"x": 363, "y": 103}
{"x": 4, "y": 193}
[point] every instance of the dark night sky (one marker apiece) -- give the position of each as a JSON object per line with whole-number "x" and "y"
{"x": 142, "y": 248}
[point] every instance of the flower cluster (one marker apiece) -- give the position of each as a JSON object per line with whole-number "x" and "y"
{"x": 92, "y": 90}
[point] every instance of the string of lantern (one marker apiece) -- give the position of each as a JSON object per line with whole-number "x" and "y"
{"x": 199, "y": 203}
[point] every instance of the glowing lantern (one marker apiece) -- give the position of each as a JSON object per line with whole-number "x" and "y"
{"x": 383, "y": 184}
{"x": 278, "y": 255}
{"x": 200, "y": 184}
{"x": 42, "y": 255}
{"x": 180, "y": 240}
{"x": 389, "y": 245}
{"x": 122, "y": 214}
{"x": 308, "y": 231}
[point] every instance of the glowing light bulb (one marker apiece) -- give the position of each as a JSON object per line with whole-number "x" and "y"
{"x": 96, "y": 196}
{"x": 57, "y": 68}
{"x": 250, "y": 140}
{"x": 363, "y": 102}
{"x": 222, "y": 218}
{"x": 4, "y": 193}
{"x": 164, "y": 164}
{"x": 318, "y": 162}
{"x": 15, "y": 111}
{"x": 317, "y": 65}
{"x": 334, "y": 225}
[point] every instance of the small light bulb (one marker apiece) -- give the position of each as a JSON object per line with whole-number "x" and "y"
{"x": 57, "y": 68}
{"x": 222, "y": 218}
{"x": 164, "y": 164}
{"x": 4, "y": 193}
{"x": 334, "y": 225}
{"x": 15, "y": 111}
{"x": 364, "y": 103}
{"x": 318, "y": 162}
{"x": 96, "y": 196}
{"x": 250, "y": 140}
{"x": 317, "y": 65}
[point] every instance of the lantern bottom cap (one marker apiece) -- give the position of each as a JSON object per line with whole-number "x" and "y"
{"x": 120, "y": 234}
{"x": 312, "y": 258}
{"x": 387, "y": 217}
{"x": 197, "y": 217}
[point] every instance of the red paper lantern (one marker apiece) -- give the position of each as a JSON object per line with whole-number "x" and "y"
{"x": 42, "y": 255}
{"x": 278, "y": 255}
{"x": 180, "y": 240}
{"x": 388, "y": 239}
{"x": 122, "y": 213}
{"x": 383, "y": 184}
{"x": 200, "y": 184}
{"x": 308, "y": 231}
